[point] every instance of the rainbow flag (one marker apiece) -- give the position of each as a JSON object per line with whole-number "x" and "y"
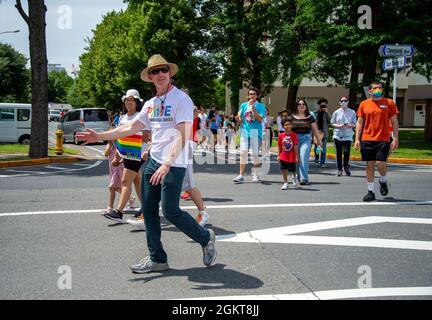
{"x": 130, "y": 147}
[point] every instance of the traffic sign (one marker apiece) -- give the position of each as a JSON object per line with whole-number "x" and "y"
{"x": 392, "y": 63}
{"x": 395, "y": 50}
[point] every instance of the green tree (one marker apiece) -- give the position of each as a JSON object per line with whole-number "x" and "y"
{"x": 349, "y": 54}
{"x": 124, "y": 41}
{"x": 76, "y": 99}
{"x": 59, "y": 83}
{"x": 14, "y": 77}
{"x": 236, "y": 29}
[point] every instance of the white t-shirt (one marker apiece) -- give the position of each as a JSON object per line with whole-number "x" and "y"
{"x": 203, "y": 118}
{"x": 178, "y": 107}
{"x": 125, "y": 119}
{"x": 279, "y": 124}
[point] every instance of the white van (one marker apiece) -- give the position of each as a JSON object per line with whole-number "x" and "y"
{"x": 15, "y": 122}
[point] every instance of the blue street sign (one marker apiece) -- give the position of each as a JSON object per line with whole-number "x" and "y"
{"x": 396, "y": 50}
{"x": 392, "y": 63}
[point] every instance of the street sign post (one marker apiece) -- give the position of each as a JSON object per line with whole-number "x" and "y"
{"x": 397, "y": 62}
{"x": 396, "y": 50}
{"x": 399, "y": 57}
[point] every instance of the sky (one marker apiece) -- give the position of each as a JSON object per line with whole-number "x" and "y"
{"x": 68, "y": 24}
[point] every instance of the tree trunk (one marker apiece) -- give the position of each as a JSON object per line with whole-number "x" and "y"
{"x": 291, "y": 98}
{"x": 235, "y": 82}
{"x": 236, "y": 57}
{"x": 39, "y": 77}
{"x": 354, "y": 85}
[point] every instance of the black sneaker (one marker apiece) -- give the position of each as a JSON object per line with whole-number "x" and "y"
{"x": 115, "y": 215}
{"x": 369, "y": 197}
{"x": 138, "y": 213}
{"x": 347, "y": 171}
{"x": 383, "y": 188}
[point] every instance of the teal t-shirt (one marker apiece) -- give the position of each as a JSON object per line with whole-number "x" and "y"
{"x": 251, "y": 127}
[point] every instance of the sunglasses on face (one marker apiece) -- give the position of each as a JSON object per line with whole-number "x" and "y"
{"x": 156, "y": 71}
{"x": 344, "y": 101}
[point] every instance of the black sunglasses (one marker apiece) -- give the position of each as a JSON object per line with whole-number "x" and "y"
{"x": 156, "y": 71}
{"x": 344, "y": 101}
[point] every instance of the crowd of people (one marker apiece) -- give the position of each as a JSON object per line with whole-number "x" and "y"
{"x": 170, "y": 127}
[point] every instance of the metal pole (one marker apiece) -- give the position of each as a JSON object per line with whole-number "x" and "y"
{"x": 395, "y": 84}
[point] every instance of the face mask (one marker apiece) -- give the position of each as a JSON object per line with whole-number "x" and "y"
{"x": 377, "y": 93}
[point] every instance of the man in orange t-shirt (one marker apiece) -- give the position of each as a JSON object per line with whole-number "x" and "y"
{"x": 372, "y": 129}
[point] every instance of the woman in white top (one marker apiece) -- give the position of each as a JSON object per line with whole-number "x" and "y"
{"x": 132, "y": 105}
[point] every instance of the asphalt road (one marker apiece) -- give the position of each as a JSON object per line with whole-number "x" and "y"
{"x": 317, "y": 242}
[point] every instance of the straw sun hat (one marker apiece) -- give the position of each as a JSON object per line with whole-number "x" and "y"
{"x": 156, "y": 61}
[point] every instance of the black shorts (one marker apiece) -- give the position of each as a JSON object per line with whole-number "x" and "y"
{"x": 214, "y": 131}
{"x": 133, "y": 164}
{"x": 290, "y": 166}
{"x": 375, "y": 150}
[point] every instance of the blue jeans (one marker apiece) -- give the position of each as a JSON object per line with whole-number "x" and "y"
{"x": 305, "y": 141}
{"x": 169, "y": 194}
{"x": 323, "y": 152}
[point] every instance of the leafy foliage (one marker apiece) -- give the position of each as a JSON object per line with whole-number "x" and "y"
{"x": 59, "y": 83}
{"x": 124, "y": 41}
{"x": 14, "y": 77}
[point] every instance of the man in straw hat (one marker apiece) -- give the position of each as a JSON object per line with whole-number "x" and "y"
{"x": 169, "y": 115}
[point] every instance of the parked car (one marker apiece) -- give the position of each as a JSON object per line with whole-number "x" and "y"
{"x": 80, "y": 119}
{"x": 54, "y": 115}
{"x": 15, "y": 122}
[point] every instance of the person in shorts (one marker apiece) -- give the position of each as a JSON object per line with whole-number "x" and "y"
{"x": 373, "y": 138}
{"x": 288, "y": 153}
{"x": 132, "y": 105}
{"x": 250, "y": 115}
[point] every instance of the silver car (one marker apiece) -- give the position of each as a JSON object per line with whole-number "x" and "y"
{"x": 77, "y": 120}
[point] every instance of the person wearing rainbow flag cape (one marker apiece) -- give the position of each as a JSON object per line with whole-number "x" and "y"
{"x": 130, "y": 149}
{"x": 169, "y": 116}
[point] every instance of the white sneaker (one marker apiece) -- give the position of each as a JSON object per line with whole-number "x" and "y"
{"x": 295, "y": 185}
{"x": 255, "y": 178}
{"x": 285, "y": 186}
{"x": 239, "y": 178}
{"x": 202, "y": 218}
{"x": 137, "y": 223}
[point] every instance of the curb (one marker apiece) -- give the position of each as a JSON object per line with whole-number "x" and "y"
{"x": 390, "y": 160}
{"x": 21, "y": 163}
